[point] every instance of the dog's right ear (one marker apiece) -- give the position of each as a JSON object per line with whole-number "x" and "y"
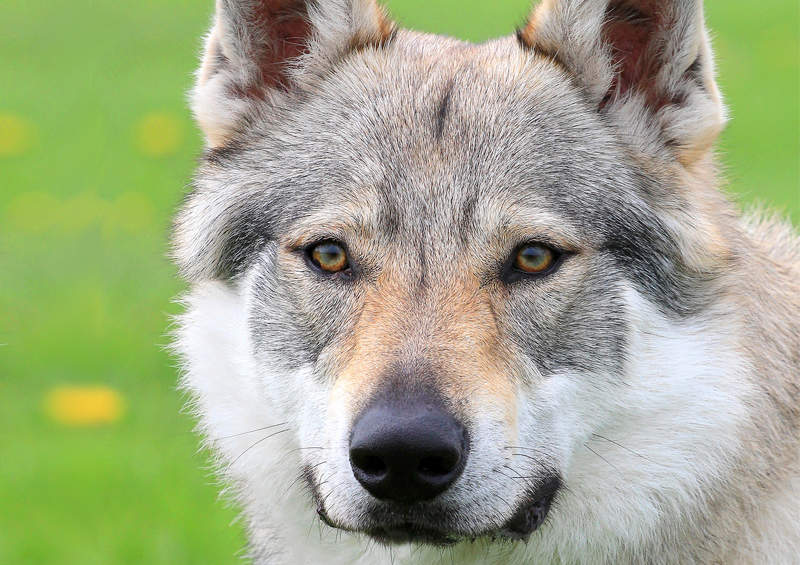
{"x": 258, "y": 50}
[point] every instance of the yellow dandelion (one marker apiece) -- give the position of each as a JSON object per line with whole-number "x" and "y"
{"x": 131, "y": 212}
{"x": 16, "y": 135}
{"x": 159, "y": 134}
{"x": 33, "y": 212}
{"x": 81, "y": 212}
{"x": 84, "y": 405}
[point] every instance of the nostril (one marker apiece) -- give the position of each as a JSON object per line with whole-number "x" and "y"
{"x": 438, "y": 465}
{"x": 373, "y": 465}
{"x": 369, "y": 463}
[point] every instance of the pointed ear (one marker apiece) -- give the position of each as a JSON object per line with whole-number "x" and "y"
{"x": 645, "y": 63}
{"x": 260, "y": 49}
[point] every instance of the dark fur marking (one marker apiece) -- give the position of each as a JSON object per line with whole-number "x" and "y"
{"x": 522, "y": 39}
{"x": 695, "y": 72}
{"x": 223, "y": 154}
{"x": 564, "y": 340}
{"x": 248, "y": 235}
{"x": 423, "y": 267}
{"x": 652, "y": 260}
{"x": 467, "y": 219}
{"x": 442, "y": 109}
{"x": 219, "y": 59}
{"x": 389, "y": 219}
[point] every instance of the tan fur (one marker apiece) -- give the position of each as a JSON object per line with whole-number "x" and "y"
{"x": 752, "y": 516}
{"x": 451, "y": 330}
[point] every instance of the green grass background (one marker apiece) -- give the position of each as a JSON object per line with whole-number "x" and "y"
{"x": 85, "y": 290}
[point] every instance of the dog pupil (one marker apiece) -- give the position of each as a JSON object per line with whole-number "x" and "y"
{"x": 533, "y": 257}
{"x": 329, "y": 255}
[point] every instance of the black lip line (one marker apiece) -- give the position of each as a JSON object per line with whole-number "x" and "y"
{"x": 527, "y": 519}
{"x": 530, "y": 517}
{"x": 533, "y": 516}
{"x": 412, "y": 533}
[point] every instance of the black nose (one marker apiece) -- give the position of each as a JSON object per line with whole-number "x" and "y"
{"x": 407, "y": 451}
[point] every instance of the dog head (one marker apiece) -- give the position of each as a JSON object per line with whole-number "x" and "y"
{"x": 449, "y": 258}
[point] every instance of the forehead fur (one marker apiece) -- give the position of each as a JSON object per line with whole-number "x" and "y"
{"x": 432, "y": 133}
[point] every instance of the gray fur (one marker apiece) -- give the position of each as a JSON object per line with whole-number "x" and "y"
{"x": 432, "y": 159}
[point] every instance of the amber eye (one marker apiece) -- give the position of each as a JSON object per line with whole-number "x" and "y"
{"x": 534, "y": 259}
{"x": 329, "y": 256}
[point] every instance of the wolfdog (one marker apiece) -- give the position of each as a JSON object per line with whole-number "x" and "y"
{"x": 485, "y": 303}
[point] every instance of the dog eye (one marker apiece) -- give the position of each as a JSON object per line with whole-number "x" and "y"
{"x": 535, "y": 259}
{"x": 329, "y": 256}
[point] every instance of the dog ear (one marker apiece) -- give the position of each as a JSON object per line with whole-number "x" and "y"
{"x": 644, "y": 63}
{"x": 258, "y": 50}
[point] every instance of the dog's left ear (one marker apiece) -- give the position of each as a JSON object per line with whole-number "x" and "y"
{"x": 646, "y": 64}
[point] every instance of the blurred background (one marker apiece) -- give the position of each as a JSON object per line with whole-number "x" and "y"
{"x": 97, "y": 462}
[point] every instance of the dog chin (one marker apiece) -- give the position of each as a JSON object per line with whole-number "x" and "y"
{"x": 394, "y": 525}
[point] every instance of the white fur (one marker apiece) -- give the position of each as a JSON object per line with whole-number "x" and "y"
{"x": 677, "y": 414}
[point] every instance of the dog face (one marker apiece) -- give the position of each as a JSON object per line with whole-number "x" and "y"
{"x": 443, "y": 253}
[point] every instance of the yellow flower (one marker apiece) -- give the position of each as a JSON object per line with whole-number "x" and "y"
{"x": 84, "y": 406}
{"x": 16, "y": 135}
{"x": 158, "y": 134}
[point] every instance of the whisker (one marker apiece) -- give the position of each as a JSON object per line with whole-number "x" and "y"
{"x": 325, "y": 498}
{"x": 314, "y": 520}
{"x": 253, "y": 431}
{"x": 518, "y": 475}
{"x": 510, "y": 508}
{"x": 263, "y": 439}
{"x": 505, "y": 475}
{"x": 625, "y": 448}
{"x": 522, "y": 448}
{"x": 525, "y": 456}
{"x": 601, "y": 457}
{"x": 296, "y": 449}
